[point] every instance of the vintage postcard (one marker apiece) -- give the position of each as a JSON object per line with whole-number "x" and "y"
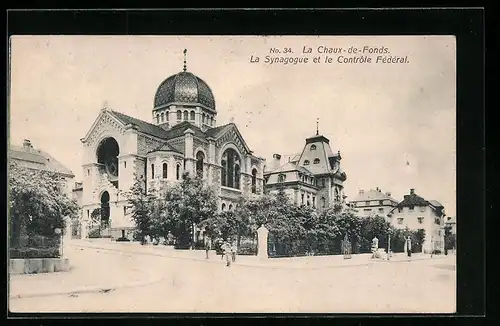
{"x": 232, "y": 174}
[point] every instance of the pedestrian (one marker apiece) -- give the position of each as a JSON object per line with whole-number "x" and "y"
{"x": 220, "y": 244}
{"x": 234, "y": 249}
{"x": 408, "y": 246}
{"x": 227, "y": 251}
{"x": 207, "y": 246}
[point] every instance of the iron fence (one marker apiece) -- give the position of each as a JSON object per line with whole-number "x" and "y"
{"x": 36, "y": 246}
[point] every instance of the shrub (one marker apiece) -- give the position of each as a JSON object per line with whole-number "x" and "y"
{"x": 94, "y": 233}
{"x": 29, "y": 252}
{"x": 247, "y": 249}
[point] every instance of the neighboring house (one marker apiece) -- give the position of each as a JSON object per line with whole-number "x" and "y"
{"x": 312, "y": 178}
{"x": 29, "y": 157}
{"x": 182, "y": 137}
{"x": 452, "y": 222}
{"x": 373, "y": 202}
{"x": 78, "y": 196}
{"x": 417, "y": 213}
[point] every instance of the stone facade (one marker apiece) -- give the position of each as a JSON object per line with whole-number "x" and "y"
{"x": 183, "y": 137}
{"x": 312, "y": 178}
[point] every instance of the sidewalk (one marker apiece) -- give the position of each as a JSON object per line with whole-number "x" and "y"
{"x": 91, "y": 271}
{"x": 308, "y": 262}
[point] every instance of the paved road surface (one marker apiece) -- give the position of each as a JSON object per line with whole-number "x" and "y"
{"x": 198, "y": 286}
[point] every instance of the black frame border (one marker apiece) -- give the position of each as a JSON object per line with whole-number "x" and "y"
{"x": 466, "y": 24}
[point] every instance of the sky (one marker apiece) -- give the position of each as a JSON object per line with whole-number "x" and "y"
{"x": 394, "y": 123}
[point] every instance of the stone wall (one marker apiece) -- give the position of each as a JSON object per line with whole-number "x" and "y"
{"x": 146, "y": 144}
{"x": 38, "y": 265}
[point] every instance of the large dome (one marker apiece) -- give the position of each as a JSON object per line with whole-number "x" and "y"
{"x": 184, "y": 88}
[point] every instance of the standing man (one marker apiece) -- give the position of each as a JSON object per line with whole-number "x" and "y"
{"x": 233, "y": 251}
{"x": 408, "y": 246}
{"x": 226, "y": 249}
{"x": 208, "y": 246}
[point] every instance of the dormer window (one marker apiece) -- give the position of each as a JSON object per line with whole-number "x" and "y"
{"x": 306, "y": 162}
{"x": 281, "y": 178}
{"x": 313, "y": 147}
{"x": 316, "y": 161}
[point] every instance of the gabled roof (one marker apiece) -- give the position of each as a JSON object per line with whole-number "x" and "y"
{"x": 166, "y": 147}
{"x": 413, "y": 200}
{"x": 372, "y": 194}
{"x": 43, "y": 160}
{"x": 435, "y": 203}
{"x": 142, "y": 126}
{"x": 289, "y": 166}
{"x": 179, "y": 129}
{"x": 217, "y": 131}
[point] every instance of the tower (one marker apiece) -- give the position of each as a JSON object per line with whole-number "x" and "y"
{"x": 184, "y": 97}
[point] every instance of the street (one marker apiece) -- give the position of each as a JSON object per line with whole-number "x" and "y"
{"x": 190, "y": 285}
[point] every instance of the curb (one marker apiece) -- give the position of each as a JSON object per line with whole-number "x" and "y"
{"x": 235, "y": 264}
{"x": 92, "y": 289}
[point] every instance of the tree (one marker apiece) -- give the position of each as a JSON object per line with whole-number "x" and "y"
{"x": 187, "y": 204}
{"x": 37, "y": 204}
{"x": 371, "y": 227}
{"x": 141, "y": 203}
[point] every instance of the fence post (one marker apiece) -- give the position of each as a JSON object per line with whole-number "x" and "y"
{"x": 262, "y": 234}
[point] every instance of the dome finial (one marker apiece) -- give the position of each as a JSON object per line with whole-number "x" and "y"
{"x": 317, "y": 126}
{"x": 185, "y": 52}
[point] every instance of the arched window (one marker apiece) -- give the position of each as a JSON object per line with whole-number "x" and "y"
{"x": 230, "y": 169}
{"x": 192, "y": 115}
{"x": 223, "y": 206}
{"x": 281, "y": 178}
{"x": 162, "y": 117}
{"x": 165, "y": 170}
{"x": 237, "y": 176}
{"x": 306, "y": 162}
{"x": 313, "y": 147}
{"x": 179, "y": 115}
{"x": 152, "y": 171}
{"x": 316, "y": 161}
{"x": 178, "y": 172}
{"x": 323, "y": 202}
{"x": 166, "y": 116}
{"x": 230, "y": 207}
{"x": 211, "y": 121}
{"x": 254, "y": 181}
{"x": 158, "y": 118}
{"x": 186, "y": 115}
{"x": 200, "y": 158}
{"x": 203, "y": 118}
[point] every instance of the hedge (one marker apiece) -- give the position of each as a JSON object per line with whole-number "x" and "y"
{"x": 29, "y": 252}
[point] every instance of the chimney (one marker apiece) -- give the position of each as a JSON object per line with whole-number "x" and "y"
{"x": 412, "y": 191}
{"x": 276, "y": 161}
{"x": 27, "y": 144}
{"x": 361, "y": 191}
